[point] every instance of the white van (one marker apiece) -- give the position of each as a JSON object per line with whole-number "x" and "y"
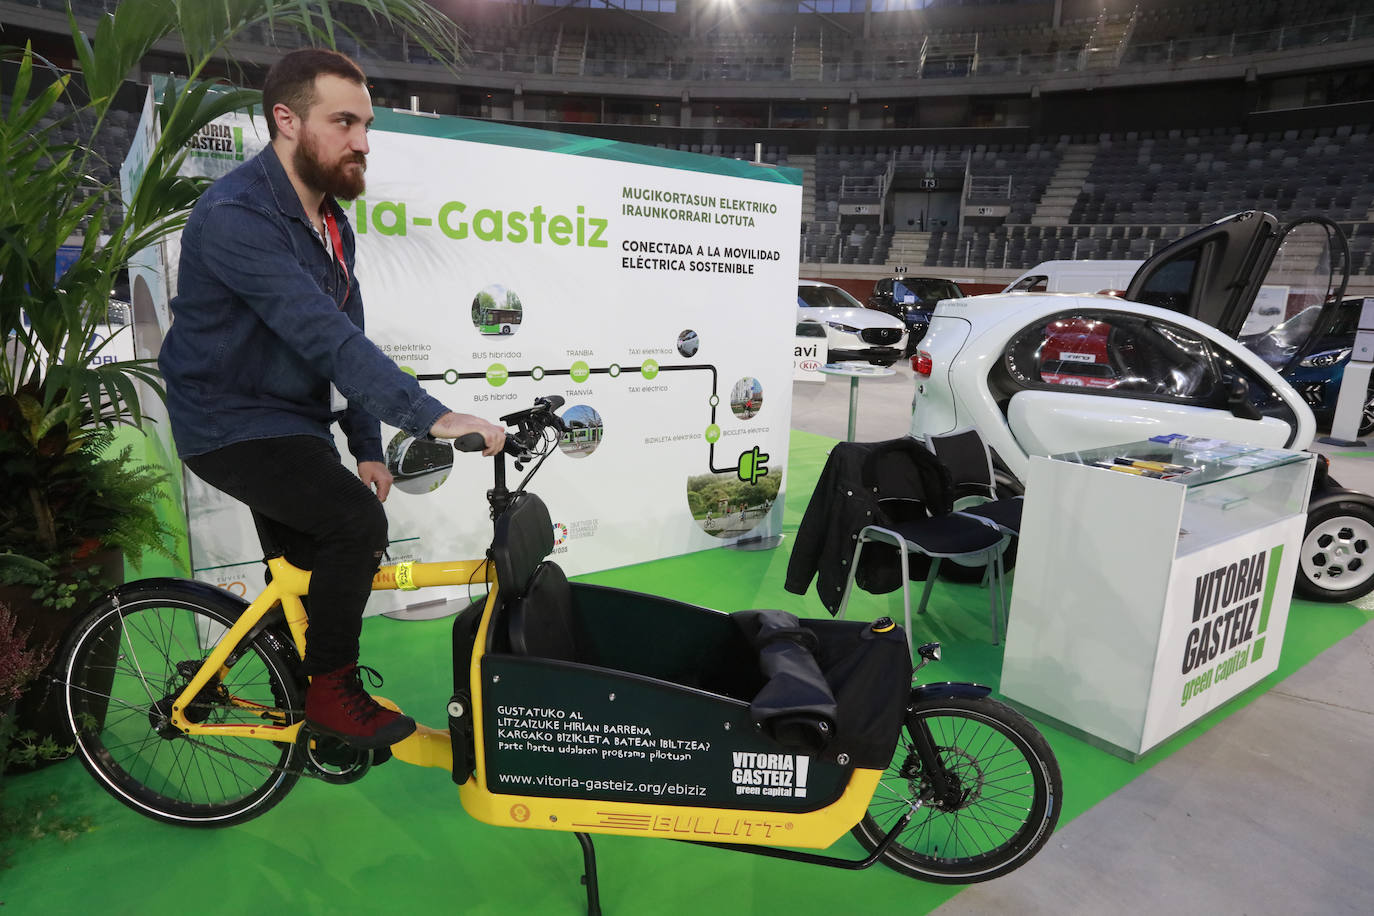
{"x": 1075, "y": 277}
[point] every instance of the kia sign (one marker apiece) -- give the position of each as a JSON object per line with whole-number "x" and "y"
{"x": 808, "y": 355}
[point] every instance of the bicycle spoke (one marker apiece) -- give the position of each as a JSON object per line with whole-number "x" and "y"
{"x": 134, "y": 662}
{"x": 983, "y": 813}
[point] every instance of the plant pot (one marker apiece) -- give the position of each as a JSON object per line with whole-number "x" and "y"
{"x": 41, "y": 708}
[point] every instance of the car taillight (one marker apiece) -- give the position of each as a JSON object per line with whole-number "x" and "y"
{"x": 921, "y": 363}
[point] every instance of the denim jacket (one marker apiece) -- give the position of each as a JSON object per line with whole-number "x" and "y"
{"x": 264, "y": 320}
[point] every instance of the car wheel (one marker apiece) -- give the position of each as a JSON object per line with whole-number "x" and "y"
{"x": 1336, "y": 562}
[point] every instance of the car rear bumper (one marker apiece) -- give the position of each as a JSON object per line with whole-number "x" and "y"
{"x": 880, "y": 355}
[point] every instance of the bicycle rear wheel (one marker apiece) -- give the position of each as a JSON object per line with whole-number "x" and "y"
{"x": 123, "y": 666}
{"x": 1000, "y": 800}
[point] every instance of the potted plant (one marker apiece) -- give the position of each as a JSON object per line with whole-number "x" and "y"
{"x": 69, "y": 494}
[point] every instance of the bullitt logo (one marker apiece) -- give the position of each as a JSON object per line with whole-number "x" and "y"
{"x": 770, "y": 774}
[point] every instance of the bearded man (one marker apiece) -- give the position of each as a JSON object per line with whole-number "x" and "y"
{"x": 267, "y": 349}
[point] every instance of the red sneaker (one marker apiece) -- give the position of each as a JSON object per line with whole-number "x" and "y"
{"x": 337, "y": 704}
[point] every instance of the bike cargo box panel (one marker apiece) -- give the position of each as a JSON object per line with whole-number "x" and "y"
{"x": 567, "y": 730}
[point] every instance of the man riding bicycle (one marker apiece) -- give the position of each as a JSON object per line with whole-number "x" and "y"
{"x": 267, "y": 349}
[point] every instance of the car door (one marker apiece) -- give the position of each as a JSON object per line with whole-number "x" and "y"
{"x": 1212, "y": 274}
{"x": 1243, "y": 275}
{"x": 1094, "y": 377}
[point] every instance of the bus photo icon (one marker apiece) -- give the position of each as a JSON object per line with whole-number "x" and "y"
{"x": 497, "y": 311}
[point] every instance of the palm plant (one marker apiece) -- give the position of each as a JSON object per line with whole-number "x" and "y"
{"x": 55, "y": 401}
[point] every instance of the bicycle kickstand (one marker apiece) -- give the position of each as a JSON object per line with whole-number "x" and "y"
{"x": 589, "y": 874}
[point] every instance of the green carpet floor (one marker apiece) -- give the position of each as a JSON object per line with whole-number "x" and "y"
{"x": 399, "y": 842}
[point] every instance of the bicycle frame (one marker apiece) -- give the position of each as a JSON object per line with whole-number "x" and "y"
{"x": 426, "y": 747}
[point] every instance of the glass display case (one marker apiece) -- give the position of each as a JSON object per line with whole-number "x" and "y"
{"x": 1230, "y": 487}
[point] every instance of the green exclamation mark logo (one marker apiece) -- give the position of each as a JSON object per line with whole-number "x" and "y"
{"x": 238, "y": 143}
{"x": 1270, "y": 582}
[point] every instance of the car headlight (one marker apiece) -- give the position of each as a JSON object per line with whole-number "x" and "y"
{"x": 841, "y": 326}
{"x": 1325, "y": 358}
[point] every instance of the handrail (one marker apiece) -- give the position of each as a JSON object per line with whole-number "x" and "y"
{"x": 1327, "y": 32}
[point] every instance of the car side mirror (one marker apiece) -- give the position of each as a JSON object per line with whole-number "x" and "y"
{"x": 1238, "y": 398}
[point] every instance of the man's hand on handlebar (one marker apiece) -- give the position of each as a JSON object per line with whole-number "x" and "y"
{"x": 453, "y": 425}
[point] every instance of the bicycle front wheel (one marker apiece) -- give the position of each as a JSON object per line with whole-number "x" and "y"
{"x": 990, "y": 807}
{"x": 124, "y": 665}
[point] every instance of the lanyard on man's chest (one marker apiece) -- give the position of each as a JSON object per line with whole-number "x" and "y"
{"x": 336, "y": 243}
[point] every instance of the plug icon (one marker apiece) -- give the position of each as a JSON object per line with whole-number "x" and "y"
{"x": 753, "y": 464}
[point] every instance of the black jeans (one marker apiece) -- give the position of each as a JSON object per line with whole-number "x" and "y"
{"x": 316, "y": 512}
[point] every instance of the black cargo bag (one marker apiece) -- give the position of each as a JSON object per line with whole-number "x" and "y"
{"x": 833, "y": 688}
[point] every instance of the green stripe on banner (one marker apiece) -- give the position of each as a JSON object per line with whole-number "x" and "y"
{"x": 577, "y": 145}
{"x": 1271, "y": 582}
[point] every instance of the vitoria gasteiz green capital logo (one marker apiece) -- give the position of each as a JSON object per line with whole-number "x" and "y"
{"x": 217, "y": 141}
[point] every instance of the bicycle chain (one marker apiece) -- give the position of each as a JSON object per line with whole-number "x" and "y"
{"x": 305, "y": 768}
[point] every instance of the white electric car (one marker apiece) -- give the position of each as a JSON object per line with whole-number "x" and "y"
{"x": 852, "y": 332}
{"x": 1041, "y": 374}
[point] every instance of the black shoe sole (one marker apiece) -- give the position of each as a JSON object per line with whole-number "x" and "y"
{"x": 397, "y": 731}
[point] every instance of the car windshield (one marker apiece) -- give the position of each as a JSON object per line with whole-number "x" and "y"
{"x": 924, "y": 290}
{"x": 825, "y": 297}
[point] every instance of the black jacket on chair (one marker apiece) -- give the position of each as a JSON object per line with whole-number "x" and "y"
{"x": 858, "y": 487}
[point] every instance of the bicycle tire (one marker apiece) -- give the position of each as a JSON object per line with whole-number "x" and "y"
{"x": 127, "y": 659}
{"x": 1009, "y": 786}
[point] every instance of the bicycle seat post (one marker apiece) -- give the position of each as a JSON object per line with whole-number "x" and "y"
{"x": 498, "y": 497}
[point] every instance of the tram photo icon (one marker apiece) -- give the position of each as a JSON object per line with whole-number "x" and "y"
{"x": 497, "y": 311}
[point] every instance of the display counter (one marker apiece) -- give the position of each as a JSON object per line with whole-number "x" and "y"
{"x": 1152, "y": 583}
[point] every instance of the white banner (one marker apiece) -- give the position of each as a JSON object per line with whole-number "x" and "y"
{"x": 653, "y": 290}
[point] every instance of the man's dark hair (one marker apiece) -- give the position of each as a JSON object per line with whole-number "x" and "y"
{"x": 291, "y": 81}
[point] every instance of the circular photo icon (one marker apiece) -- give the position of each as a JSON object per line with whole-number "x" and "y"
{"x": 746, "y": 398}
{"x": 688, "y": 343}
{"x": 496, "y": 311}
{"x": 418, "y": 466}
{"x": 584, "y": 431}
{"x": 725, "y": 506}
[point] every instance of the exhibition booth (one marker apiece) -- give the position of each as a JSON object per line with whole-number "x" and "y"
{"x": 651, "y": 292}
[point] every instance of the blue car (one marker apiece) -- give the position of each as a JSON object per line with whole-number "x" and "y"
{"x": 912, "y": 299}
{"x": 1311, "y": 350}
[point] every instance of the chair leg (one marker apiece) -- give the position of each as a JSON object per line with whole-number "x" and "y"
{"x": 1006, "y": 599}
{"x": 906, "y": 596}
{"x": 930, "y": 584}
{"x": 995, "y": 593}
{"x": 849, "y": 581}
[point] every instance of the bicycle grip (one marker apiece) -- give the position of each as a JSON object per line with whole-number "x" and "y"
{"x": 470, "y": 442}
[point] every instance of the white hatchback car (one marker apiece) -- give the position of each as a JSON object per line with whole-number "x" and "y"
{"x": 852, "y": 332}
{"x": 1046, "y": 373}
